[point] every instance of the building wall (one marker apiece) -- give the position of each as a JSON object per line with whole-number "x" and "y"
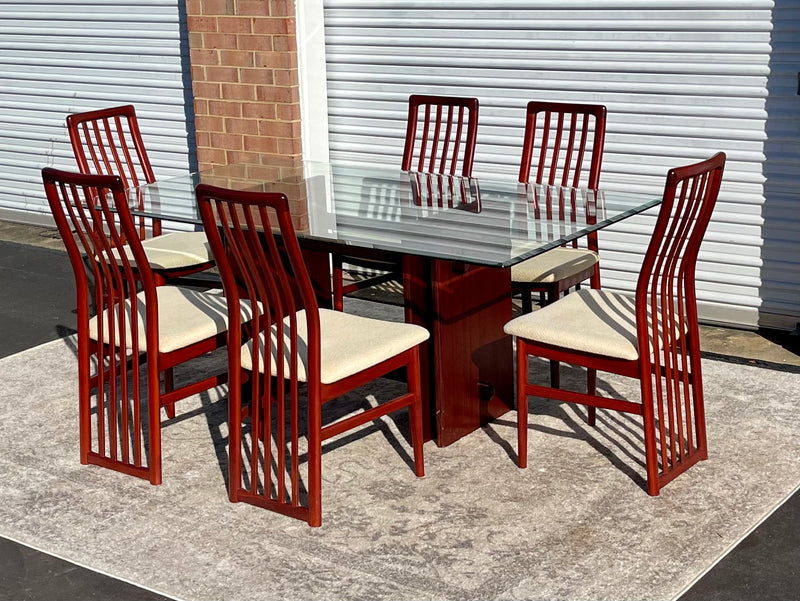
{"x": 243, "y": 56}
{"x": 58, "y": 58}
{"x": 681, "y": 79}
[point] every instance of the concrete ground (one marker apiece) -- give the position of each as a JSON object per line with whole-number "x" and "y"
{"x": 36, "y": 305}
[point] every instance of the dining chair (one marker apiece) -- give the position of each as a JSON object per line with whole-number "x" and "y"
{"x": 441, "y": 132}
{"x": 313, "y": 356}
{"x": 131, "y": 333}
{"x": 562, "y": 147}
{"x": 651, "y": 336}
{"x": 108, "y": 142}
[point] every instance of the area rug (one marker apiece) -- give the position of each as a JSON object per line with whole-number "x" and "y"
{"x": 576, "y": 524}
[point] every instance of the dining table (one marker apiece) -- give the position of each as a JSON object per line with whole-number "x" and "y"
{"x": 456, "y": 238}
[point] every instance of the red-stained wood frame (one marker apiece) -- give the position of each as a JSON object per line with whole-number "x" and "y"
{"x": 564, "y": 143}
{"x": 668, "y": 366}
{"x": 120, "y": 425}
{"x": 108, "y": 142}
{"x": 449, "y": 131}
{"x": 265, "y": 266}
{"x": 448, "y": 128}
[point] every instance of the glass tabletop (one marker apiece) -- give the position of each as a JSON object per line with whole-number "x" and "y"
{"x": 494, "y": 222}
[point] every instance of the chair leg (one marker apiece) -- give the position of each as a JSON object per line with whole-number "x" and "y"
{"x": 415, "y": 416}
{"x": 527, "y": 301}
{"x": 522, "y": 405}
{"x": 591, "y": 388}
{"x": 85, "y": 385}
{"x": 236, "y": 397}
{"x": 338, "y": 283}
{"x": 555, "y": 374}
{"x": 650, "y": 447}
{"x": 315, "y": 484}
{"x": 169, "y": 386}
{"x": 415, "y": 413}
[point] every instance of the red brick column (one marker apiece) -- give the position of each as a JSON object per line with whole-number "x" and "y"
{"x": 244, "y": 79}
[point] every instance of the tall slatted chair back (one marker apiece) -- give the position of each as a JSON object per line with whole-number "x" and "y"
{"x": 563, "y": 144}
{"x": 119, "y": 397}
{"x": 108, "y": 142}
{"x": 254, "y": 242}
{"x": 666, "y": 319}
{"x": 441, "y": 132}
{"x": 652, "y": 336}
{"x": 562, "y": 147}
{"x": 253, "y": 265}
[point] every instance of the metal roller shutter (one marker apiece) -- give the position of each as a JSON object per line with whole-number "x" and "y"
{"x": 58, "y": 58}
{"x": 681, "y": 79}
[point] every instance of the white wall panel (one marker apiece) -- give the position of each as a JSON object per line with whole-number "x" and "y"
{"x": 59, "y": 58}
{"x": 681, "y": 79}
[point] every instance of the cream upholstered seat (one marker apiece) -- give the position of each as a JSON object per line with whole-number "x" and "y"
{"x": 176, "y": 250}
{"x": 185, "y": 316}
{"x": 558, "y": 264}
{"x": 588, "y": 321}
{"x": 349, "y": 344}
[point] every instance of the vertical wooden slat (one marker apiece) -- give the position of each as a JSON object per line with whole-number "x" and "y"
{"x": 436, "y": 128}
{"x": 445, "y": 157}
{"x": 569, "y": 149}
{"x": 426, "y": 122}
{"x": 557, "y": 148}
{"x": 542, "y": 161}
{"x": 457, "y": 140}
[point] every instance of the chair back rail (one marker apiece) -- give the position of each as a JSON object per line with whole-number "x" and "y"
{"x": 666, "y": 308}
{"x": 117, "y": 429}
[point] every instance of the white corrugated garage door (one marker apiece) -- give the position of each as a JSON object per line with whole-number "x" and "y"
{"x": 681, "y": 80}
{"x": 62, "y": 57}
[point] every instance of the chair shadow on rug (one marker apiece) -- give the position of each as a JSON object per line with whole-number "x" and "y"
{"x": 63, "y": 331}
{"x": 620, "y": 440}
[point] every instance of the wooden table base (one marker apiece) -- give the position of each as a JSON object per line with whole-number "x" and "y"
{"x": 468, "y": 375}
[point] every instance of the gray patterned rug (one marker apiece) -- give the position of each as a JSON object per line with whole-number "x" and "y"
{"x": 575, "y": 525}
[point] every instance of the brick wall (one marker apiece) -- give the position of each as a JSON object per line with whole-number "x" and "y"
{"x": 244, "y": 80}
